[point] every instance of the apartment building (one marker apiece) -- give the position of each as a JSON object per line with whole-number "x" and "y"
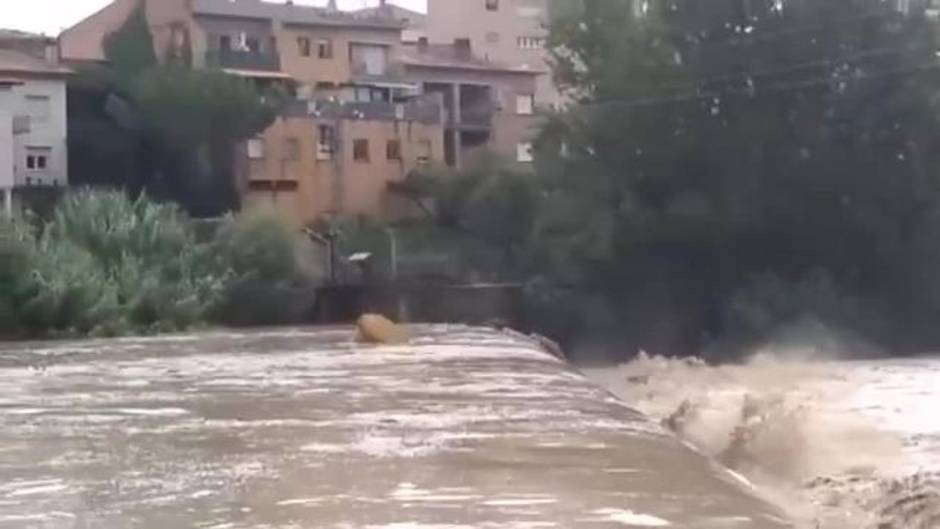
{"x": 33, "y": 132}
{"x": 502, "y": 31}
{"x": 358, "y": 127}
{"x": 488, "y": 107}
{"x": 334, "y": 157}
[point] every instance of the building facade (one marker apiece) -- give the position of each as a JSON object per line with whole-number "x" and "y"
{"x": 357, "y": 127}
{"x": 33, "y": 127}
{"x": 341, "y": 158}
{"x": 488, "y": 107}
{"x": 502, "y": 31}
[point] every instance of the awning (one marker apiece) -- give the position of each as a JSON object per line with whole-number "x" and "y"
{"x": 257, "y": 74}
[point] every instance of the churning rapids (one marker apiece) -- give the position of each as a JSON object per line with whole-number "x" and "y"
{"x": 839, "y": 444}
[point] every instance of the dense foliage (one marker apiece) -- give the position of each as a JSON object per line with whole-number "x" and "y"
{"x": 720, "y": 147}
{"x": 106, "y": 264}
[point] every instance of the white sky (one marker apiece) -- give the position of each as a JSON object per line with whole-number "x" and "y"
{"x": 51, "y": 16}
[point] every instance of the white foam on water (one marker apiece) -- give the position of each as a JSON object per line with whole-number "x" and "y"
{"x": 630, "y": 518}
{"x": 42, "y": 489}
{"x": 300, "y": 501}
{"x": 520, "y": 501}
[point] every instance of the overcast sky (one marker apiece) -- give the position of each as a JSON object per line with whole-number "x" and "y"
{"x": 51, "y": 16}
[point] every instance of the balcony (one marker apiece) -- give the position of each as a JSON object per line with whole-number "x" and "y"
{"x": 362, "y": 71}
{"x": 244, "y": 60}
{"x": 425, "y": 109}
{"x": 480, "y": 115}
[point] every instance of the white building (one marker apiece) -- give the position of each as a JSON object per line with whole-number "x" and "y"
{"x": 33, "y": 125}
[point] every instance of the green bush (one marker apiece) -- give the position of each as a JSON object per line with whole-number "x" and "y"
{"x": 268, "y": 282}
{"x": 106, "y": 264}
{"x": 14, "y": 272}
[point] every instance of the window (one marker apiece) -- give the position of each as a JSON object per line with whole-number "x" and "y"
{"x": 525, "y": 104}
{"x": 225, "y": 43}
{"x": 530, "y": 43}
{"x": 292, "y": 149}
{"x": 272, "y": 185}
{"x": 369, "y": 59}
{"x": 304, "y": 46}
{"x": 256, "y": 149}
{"x": 492, "y": 37}
{"x": 524, "y": 152}
{"x": 325, "y": 49}
{"x": 492, "y": 5}
{"x": 424, "y": 152}
{"x": 393, "y": 150}
{"x": 325, "y": 140}
{"x": 37, "y": 107}
{"x": 37, "y": 158}
{"x": 361, "y": 150}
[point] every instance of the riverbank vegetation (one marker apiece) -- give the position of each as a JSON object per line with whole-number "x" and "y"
{"x": 725, "y": 169}
{"x": 720, "y": 170}
{"x": 105, "y": 264}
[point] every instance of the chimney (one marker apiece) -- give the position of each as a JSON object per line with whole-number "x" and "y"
{"x": 422, "y": 44}
{"x": 463, "y": 48}
{"x": 51, "y": 52}
{"x": 332, "y": 5}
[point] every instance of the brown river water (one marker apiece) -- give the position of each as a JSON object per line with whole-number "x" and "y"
{"x": 461, "y": 428}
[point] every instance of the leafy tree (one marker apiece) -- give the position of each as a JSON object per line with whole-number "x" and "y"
{"x": 130, "y": 49}
{"x": 177, "y": 127}
{"x": 711, "y": 141}
{"x": 201, "y": 115}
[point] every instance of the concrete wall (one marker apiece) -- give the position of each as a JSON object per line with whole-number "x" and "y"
{"x": 495, "y": 34}
{"x": 340, "y": 185}
{"x": 47, "y": 129}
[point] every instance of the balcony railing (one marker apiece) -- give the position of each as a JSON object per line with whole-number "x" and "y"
{"x": 244, "y": 60}
{"x": 425, "y": 109}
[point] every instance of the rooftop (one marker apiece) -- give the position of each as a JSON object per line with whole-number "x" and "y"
{"x": 454, "y": 56}
{"x": 17, "y": 62}
{"x": 294, "y": 14}
{"x": 407, "y": 17}
{"x": 15, "y": 34}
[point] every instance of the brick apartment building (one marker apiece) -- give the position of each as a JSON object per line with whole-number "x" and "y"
{"x": 375, "y": 100}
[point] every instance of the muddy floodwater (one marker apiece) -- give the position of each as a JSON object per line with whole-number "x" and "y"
{"x": 461, "y": 428}
{"x": 841, "y": 444}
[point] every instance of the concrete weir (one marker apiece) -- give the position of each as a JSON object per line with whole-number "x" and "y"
{"x": 458, "y": 428}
